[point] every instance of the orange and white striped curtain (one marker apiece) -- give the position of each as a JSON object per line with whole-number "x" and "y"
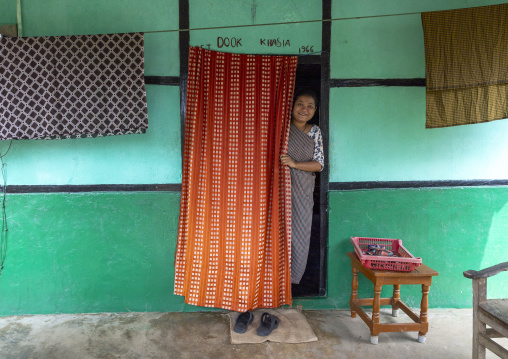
{"x": 234, "y": 238}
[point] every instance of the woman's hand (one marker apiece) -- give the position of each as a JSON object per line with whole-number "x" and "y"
{"x": 287, "y": 160}
{"x": 311, "y": 166}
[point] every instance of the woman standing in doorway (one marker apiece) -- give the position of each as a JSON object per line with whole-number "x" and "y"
{"x": 304, "y": 157}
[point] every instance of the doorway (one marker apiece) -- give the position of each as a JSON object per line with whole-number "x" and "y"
{"x": 313, "y": 283}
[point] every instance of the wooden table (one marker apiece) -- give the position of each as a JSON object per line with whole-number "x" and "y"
{"x": 421, "y": 275}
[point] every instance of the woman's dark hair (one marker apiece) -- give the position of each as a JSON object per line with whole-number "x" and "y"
{"x": 306, "y": 92}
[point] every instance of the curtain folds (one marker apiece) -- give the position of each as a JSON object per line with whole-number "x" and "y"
{"x": 466, "y": 60}
{"x": 72, "y": 86}
{"x": 234, "y": 249}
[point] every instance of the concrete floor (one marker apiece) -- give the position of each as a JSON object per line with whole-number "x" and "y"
{"x": 206, "y": 335}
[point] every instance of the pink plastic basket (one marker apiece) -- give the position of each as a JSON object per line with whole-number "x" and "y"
{"x": 405, "y": 263}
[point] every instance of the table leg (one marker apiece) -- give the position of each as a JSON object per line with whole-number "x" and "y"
{"x": 395, "y": 300}
{"x": 376, "y": 305}
{"x": 423, "y": 313}
{"x": 354, "y": 290}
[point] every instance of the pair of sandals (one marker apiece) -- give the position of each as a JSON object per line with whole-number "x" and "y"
{"x": 267, "y": 325}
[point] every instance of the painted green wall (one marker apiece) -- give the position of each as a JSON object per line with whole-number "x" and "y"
{"x": 115, "y": 251}
{"x": 97, "y": 252}
{"x": 379, "y": 135}
{"x": 346, "y": 8}
{"x": 132, "y": 159}
{"x": 8, "y": 12}
{"x": 383, "y": 47}
{"x": 75, "y": 17}
{"x": 378, "y": 47}
{"x": 451, "y": 229}
{"x": 90, "y": 252}
{"x": 284, "y": 39}
{"x": 153, "y": 157}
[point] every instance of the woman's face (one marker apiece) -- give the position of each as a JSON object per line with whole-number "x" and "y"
{"x": 304, "y": 109}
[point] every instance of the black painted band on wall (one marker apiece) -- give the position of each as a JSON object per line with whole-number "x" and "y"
{"x": 177, "y": 187}
{"x": 352, "y": 186}
{"x": 162, "y": 80}
{"x": 165, "y": 187}
{"x": 418, "y": 82}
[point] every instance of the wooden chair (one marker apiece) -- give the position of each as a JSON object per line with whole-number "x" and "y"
{"x": 491, "y": 312}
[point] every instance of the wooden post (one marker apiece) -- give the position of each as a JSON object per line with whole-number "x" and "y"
{"x": 479, "y": 296}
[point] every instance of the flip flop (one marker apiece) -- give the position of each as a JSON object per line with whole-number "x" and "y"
{"x": 268, "y": 324}
{"x": 242, "y": 322}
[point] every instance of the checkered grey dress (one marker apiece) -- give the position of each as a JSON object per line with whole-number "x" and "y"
{"x": 300, "y": 149}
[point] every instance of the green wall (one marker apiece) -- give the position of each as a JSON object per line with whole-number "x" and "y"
{"x": 379, "y": 135}
{"x": 304, "y": 38}
{"x": 153, "y": 157}
{"x": 451, "y": 229}
{"x": 379, "y": 132}
{"x": 90, "y": 252}
{"x": 97, "y": 252}
{"x": 104, "y": 251}
{"x": 7, "y": 12}
{"x": 134, "y": 159}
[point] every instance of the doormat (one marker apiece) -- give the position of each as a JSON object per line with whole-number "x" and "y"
{"x": 293, "y": 328}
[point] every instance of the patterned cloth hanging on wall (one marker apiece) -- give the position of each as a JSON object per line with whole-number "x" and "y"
{"x": 466, "y": 65}
{"x": 72, "y": 86}
{"x": 234, "y": 247}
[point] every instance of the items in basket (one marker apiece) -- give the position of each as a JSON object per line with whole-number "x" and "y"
{"x": 377, "y": 250}
{"x": 405, "y": 261}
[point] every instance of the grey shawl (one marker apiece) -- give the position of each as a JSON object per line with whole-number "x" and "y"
{"x": 300, "y": 149}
